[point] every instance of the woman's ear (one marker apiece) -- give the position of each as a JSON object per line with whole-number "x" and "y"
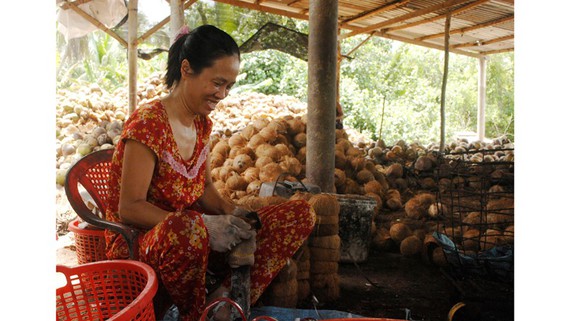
{"x": 185, "y": 68}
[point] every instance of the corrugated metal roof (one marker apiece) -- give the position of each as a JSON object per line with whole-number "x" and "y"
{"x": 478, "y": 27}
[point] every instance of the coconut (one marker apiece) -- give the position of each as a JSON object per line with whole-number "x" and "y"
{"x": 437, "y": 210}
{"x": 235, "y": 151}
{"x": 396, "y": 170}
{"x": 219, "y": 185}
{"x": 378, "y": 201}
{"x": 256, "y": 140}
{"x": 471, "y": 240}
{"x": 343, "y": 145}
{"x": 438, "y": 257}
{"x": 260, "y": 123}
{"x": 353, "y": 151}
{"x": 509, "y": 235}
{"x": 248, "y": 131}
{"x": 269, "y": 133}
{"x": 325, "y": 204}
{"x": 340, "y": 133}
{"x": 237, "y": 141}
{"x": 374, "y": 187}
{"x": 270, "y": 172}
{"x": 295, "y": 126}
{"x": 236, "y": 182}
{"x": 382, "y": 240}
{"x": 393, "y": 199}
{"x": 399, "y": 231}
{"x": 225, "y": 172}
{"x": 242, "y": 162}
{"x": 269, "y": 151}
{"x": 474, "y": 218}
{"x": 302, "y": 155}
{"x": 253, "y": 187}
{"x": 284, "y": 150}
{"x": 411, "y": 246}
{"x": 490, "y": 239}
{"x": 216, "y": 160}
{"x": 352, "y": 187}
{"x": 222, "y": 148}
{"x": 262, "y": 161}
{"x": 291, "y": 165}
{"x": 339, "y": 177}
{"x": 300, "y": 140}
{"x": 364, "y": 176}
{"x": 251, "y": 174}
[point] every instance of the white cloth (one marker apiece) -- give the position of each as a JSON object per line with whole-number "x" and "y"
{"x": 108, "y": 12}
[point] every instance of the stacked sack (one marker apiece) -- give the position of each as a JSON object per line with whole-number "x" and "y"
{"x": 324, "y": 247}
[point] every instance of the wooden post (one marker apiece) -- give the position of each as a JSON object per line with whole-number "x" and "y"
{"x": 323, "y": 28}
{"x": 482, "y": 98}
{"x": 176, "y": 18}
{"x": 444, "y": 83}
{"x": 132, "y": 54}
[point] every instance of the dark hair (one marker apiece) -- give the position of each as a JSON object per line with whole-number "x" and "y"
{"x": 201, "y": 47}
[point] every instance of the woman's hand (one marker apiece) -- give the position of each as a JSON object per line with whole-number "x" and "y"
{"x": 226, "y": 231}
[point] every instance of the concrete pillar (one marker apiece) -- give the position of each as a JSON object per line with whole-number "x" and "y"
{"x": 482, "y": 98}
{"x": 323, "y": 15}
{"x": 176, "y": 18}
{"x": 132, "y": 53}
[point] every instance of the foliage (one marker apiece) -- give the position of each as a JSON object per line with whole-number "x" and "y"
{"x": 388, "y": 89}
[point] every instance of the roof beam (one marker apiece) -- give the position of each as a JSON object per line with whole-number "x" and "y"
{"x": 441, "y": 16}
{"x": 164, "y": 21}
{"x": 416, "y": 13}
{"x": 492, "y": 52}
{"x": 430, "y": 45}
{"x": 259, "y": 7}
{"x": 482, "y": 43}
{"x": 96, "y": 22}
{"x": 386, "y": 7}
{"x": 67, "y": 4}
{"x": 467, "y": 29}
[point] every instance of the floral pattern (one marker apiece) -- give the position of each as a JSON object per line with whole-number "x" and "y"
{"x": 177, "y": 248}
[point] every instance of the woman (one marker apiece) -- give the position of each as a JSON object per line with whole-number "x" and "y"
{"x": 160, "y": 182}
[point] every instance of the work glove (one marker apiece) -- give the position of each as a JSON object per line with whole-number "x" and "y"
{"x": 242, "y": 254}
{"x": 226, "y": 231}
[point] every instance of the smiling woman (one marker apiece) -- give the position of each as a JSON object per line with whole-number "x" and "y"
{"x": 160, "y": 183}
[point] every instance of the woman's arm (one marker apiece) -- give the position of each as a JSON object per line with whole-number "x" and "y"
{"x": 211, "y": 201}
{"x": 138, "y": 166}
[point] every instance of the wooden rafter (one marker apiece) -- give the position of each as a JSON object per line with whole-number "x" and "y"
{"x": 492, "y": 52}
{"x": 259, "y": 7}
{"x": 467, "y": 29}
{"x": 386, "y": 7}
{"x": 431, "y": 45}
{"x": 164, "y": 21}
{"x": 441, "y": 16}
{"x": 417, "y": 13}
{"x": 96, "y": 22}
{"x": 67, "y": 4}
{"x": 293, "y": 2}
{"x": 482, "y": 43}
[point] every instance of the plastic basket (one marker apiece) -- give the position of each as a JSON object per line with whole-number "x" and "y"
{"x": 89, "y": 243}
{"x": 107, "y": 290}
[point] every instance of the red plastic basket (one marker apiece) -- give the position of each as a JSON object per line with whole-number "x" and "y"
{"x": 120, "y": 290}
{"x": 89, "y": 243}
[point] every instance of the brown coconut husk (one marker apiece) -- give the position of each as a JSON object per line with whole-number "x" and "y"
{"x": 330, "y": 292}
{"x": 417, "y": 207}
{"x": 399, "y": 231}
{"x": 325, "y": 242}
{"x": 255, "y": 141}
{"x": 411, "y": 246}
{"x": 364, "y": 176}
{"x": 303, "y": 289}
{"x": 291, "y": 165}
{"x": 216, "y": 160}
{"x": 300, "y": 140}
{"x": 253, "y": 187}
{"x": 282, "y": 289}
{"x": 288, "y": 272}
{"x": 339, "y": 159}
{"x": 248, "y": 131}
{"x": 327, "y": 220}
{"x": 323, "y": 267}
{"x": 471, "y": 240}
{"x": 324, "y": 255}
{"x": 235, "y": 182}
{"x": 251, "y": 174}
{"x": 325, "y": 229}
{"x": 395, "y": 170}
{"x": 382, "y": 241}
{"x": 325, "y": 204}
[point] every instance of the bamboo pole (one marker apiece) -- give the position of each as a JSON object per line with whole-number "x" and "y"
{"x": 482, "y": 98}
{"x": 132, "y": 54}
{"x": 444, "y": 83}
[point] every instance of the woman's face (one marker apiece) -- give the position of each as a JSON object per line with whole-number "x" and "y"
{"x": 203, "y": 91}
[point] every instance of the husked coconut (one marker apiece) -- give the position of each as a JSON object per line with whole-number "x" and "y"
{"x": 291, "y": 165}
{"x": 471, "y": 240}
{"x": 236, "y": 182}
{"x": 364, "y": 176}
{"x": 269, "y": 151}
{"x": 410, "y": 246}
{"x": 393, "y": 199}
{"x": 242, "y": 162}
{"x": 237, "y": 141}
{"x": 251, "y": 174}
{"x": 270, "y": 172}
{"x": 396, "y": 170}
{"x": 417, "y": 207}
{"x": 253, "y": 187}
{"x": 339, "y": 177}
{"x": 256, "y": 140}
{"x": 300, "y": 140}
{"x": 438, "y": 210}
{"x": 222, "y": 148}
{"x": 374, "y": 187}
{"x": 399, "y": 231}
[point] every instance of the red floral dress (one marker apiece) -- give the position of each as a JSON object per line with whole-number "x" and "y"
{"x": 178, "y": 247}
